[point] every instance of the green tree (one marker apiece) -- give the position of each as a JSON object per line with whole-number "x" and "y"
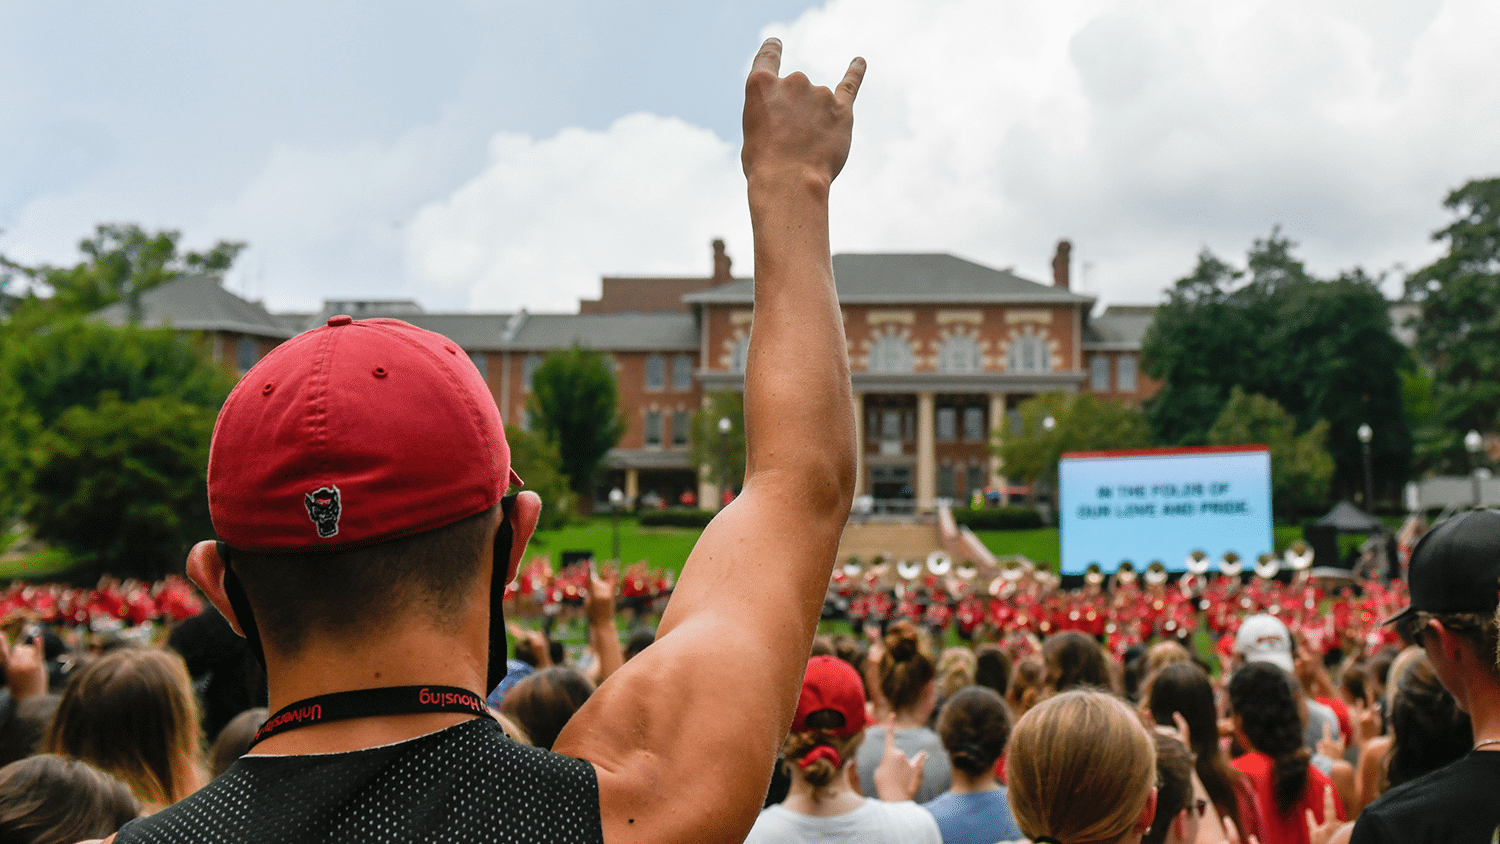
{"x": 536, "y": 460}
{"x": 1320, "y": 348}
{"x": 575, "y": 403}
{"x": 722, "y": 451}
{"x": 1300, "y": 465}
{"x": 1079, "y": 422}
{"x": 119, "y": 262}
{"x": 1458, "y": 335}
{"x": 74, "y": 365}
{"x": 124, "y": 483}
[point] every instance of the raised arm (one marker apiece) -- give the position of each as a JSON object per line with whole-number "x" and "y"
{"x": 684, "y": 736}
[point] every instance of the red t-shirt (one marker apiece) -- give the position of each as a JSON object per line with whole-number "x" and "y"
{"x": 1288, "y": 827}
{"x": 1342, "y": 712}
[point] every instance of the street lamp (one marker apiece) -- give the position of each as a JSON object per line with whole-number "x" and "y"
{"x": 616, "y": 501}
{"x": 1473, "y": 442}
{"x": 724, "y": 481}
{"x": 1365, "y": 435}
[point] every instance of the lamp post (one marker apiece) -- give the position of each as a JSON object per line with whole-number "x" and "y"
{"x": 724, "y": 481}
{"x": 616, "y": 501}
{"x": 1473, "y": 442}
{"x": 1365, "y": 435}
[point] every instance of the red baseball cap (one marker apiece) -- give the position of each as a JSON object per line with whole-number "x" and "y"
{"x": 351, "y": 434}
{"x": 831, "y": 684}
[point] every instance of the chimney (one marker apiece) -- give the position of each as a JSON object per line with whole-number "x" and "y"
{"x": 721, "y": 264}
{"x": 1060, "y": 264}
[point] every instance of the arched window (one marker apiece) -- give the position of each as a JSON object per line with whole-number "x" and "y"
{"x": 891, "y": 353}
{"x": 246, "y": 353}
{"x": 960, "y": 353}
{"x": 656, "y": 372}
{"x": 1099, "y": 373}
{"x": 1028, "y": 354}
{"x": 739, "y": 355}
{"x": 1125, "y": 371}
{"x": 682, "y": 373}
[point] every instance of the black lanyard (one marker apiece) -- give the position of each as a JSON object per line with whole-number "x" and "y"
{"x": 364, "y": 703}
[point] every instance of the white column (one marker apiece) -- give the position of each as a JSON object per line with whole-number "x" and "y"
{"x": 859, "y": 444}
{"x": 632, "y": 485}
{"x": 997, "y": 433}
{"x": 926, "y": 480}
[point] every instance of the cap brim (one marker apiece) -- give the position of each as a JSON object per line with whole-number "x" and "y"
{"x": 1398, "y": 616}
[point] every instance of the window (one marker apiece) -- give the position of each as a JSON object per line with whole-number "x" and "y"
{"x": 245, "y": 354}
{"x": 481, "y": 363}
{"x": 681, "y": 422}
{"x": 1125, "y": 373}
{"x": 528, "y": 369}
{"x": 1017, "y": 422}
{"x": 891, "y": 354}
{"x": 653, "y": 428}
{"x": 890, "y": 425}
{"x": 974, "y": 424}
{"x": 1099, "y": 373}
{"x": 656, "y": 372}
{"x": 976, "y": 478}
{"x": 960, "y": 353}
{"x": 946, "y": 481}
{"x": 682, "y": 373}
{"x": 739, "y": 355}
{"x": 947, "y": 424}
{"x": 525, "y": 419}
{"x": 1028, "y": 354}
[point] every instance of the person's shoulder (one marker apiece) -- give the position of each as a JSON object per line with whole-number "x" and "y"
{"x": 1461, "y": 789}
{"x": 906, "y": 820}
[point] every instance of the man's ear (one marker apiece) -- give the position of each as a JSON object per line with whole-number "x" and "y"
{"x": 523, "y": 518}
{"x": 206, "y": 569}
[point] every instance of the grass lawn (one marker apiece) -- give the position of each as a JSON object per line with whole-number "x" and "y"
{"x": 41, "y": 566}
{"x": 661, "y": 548}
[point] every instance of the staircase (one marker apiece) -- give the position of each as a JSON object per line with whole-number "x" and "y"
{"x": 905, "y": 538}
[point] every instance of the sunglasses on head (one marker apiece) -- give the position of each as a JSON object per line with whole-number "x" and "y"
{"x": 1410, "y": 628}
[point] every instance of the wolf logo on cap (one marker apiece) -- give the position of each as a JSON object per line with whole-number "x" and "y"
{"x": 323, "y": 508}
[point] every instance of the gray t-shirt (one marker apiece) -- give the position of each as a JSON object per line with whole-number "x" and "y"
{"x": 937, "y": 772}
{"x": 875, "y": 822}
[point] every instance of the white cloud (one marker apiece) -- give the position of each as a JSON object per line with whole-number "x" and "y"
{"x": 1144, "y": 131}
{"x": 545, "y": 218}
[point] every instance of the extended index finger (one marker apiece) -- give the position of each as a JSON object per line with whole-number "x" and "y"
{"x": 848, "y": 88}
{"x": 769, "y": 57}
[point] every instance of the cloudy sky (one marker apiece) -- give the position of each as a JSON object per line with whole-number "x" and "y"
{"x": 497, "y": 155}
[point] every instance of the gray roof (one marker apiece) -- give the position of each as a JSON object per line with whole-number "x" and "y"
{"x": 611, "y": 332}
{"x": 889, "y": 278}
{"x": 199, "y": 303}
{"x": 1120, "y": 326}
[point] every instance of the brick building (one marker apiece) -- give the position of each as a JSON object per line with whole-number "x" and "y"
{"x": 941, "y": 349}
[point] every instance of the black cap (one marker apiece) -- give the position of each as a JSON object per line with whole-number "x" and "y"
{"x": 1455, "y": 568}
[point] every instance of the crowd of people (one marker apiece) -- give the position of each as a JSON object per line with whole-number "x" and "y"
{"x": 1281, "y": 735}
{"x": 361, "y": 490}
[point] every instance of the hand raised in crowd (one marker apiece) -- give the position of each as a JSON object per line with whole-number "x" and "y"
{"x": 541, "y": 647}
{"x": 899, "y": 777}
{"x": 599, "y": 608}
{"x": 25, "y": 667}
{"x": 793, "y": 128}
{"x": 1326, "y": 831}
{"x": 599, "y": 598}
{"x": 1331, "y": 744}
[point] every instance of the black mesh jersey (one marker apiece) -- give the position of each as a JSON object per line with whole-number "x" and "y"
{"x": 466, "y": 783}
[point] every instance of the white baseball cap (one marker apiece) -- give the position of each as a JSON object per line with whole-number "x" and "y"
{"x": 1263, "y": 638}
